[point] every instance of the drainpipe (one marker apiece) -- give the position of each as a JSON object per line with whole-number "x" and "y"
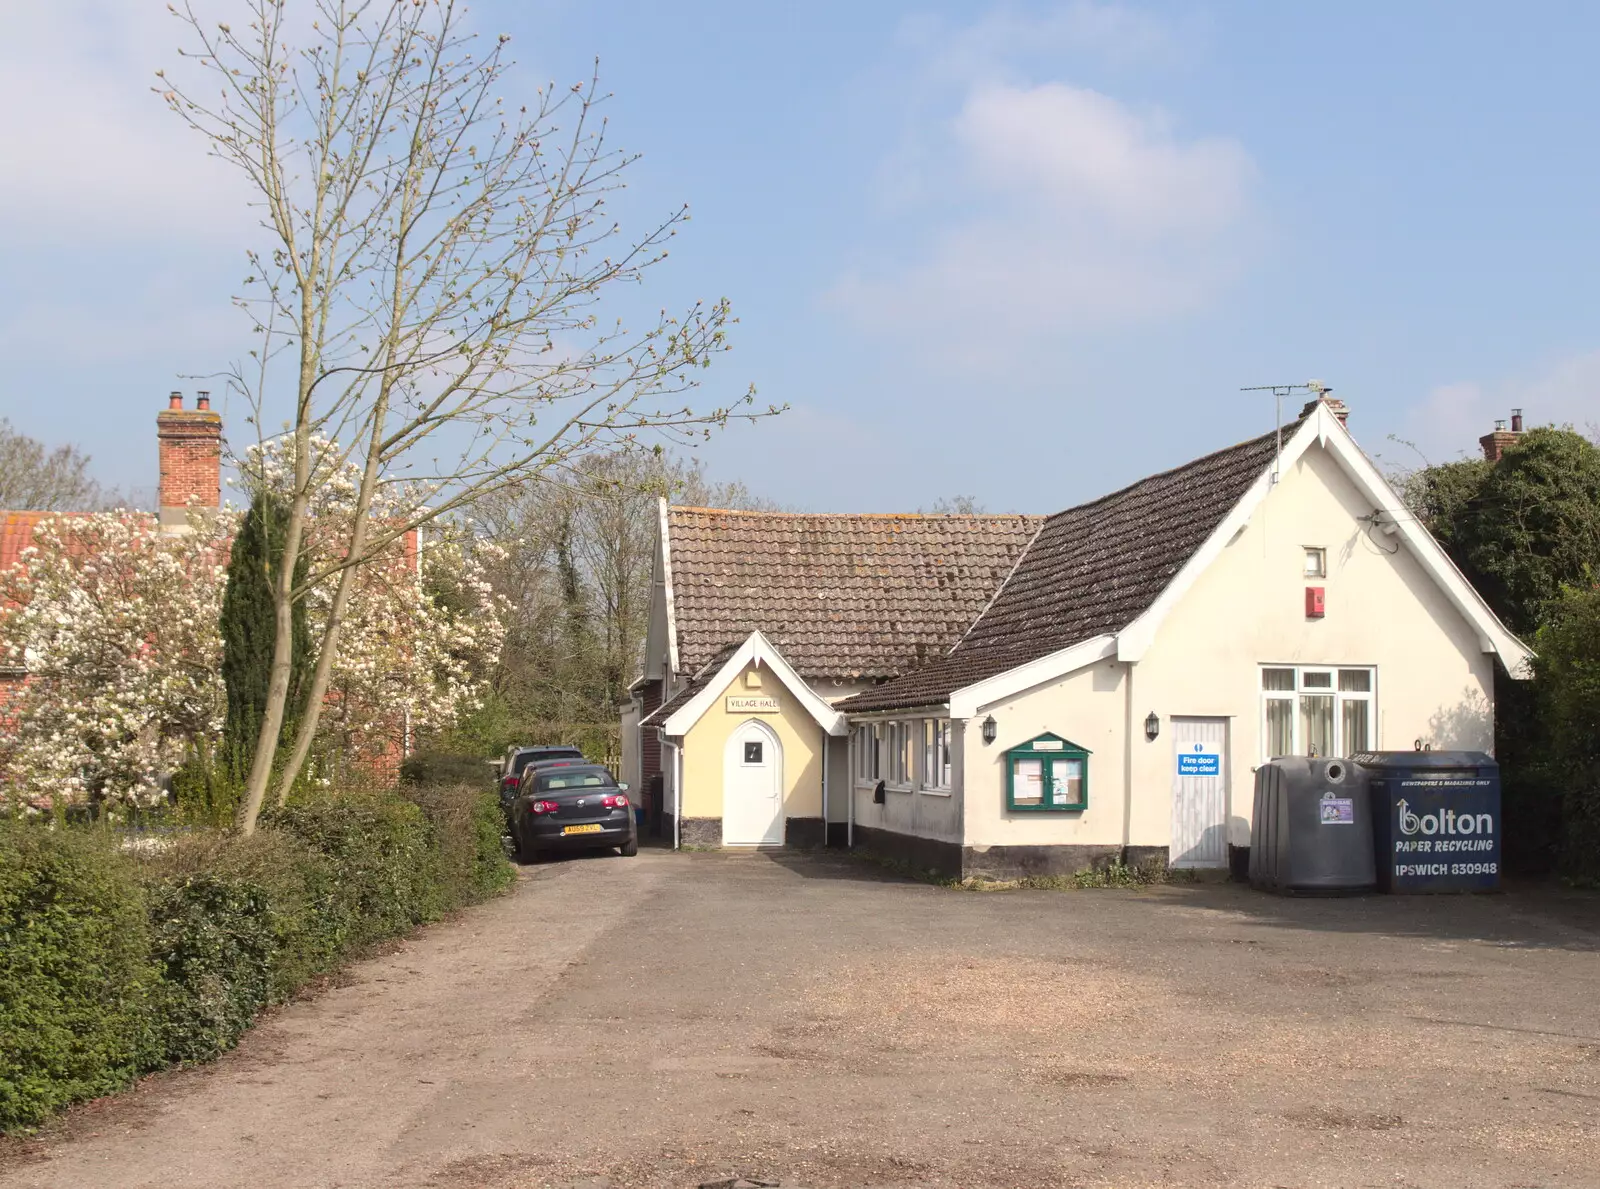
{"x": 826, "y": 740}
{"x": 850, "y": 813}
{"x": 677, "y": 797}
{"x": 1129, "y": 743}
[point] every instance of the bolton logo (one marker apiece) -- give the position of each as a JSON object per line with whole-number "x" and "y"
{"x": 1445, "y": 821}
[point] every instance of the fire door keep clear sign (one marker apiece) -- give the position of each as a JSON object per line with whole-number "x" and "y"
{"x": 1199, "y": 759}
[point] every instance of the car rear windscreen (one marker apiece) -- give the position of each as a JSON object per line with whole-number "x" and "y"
{"x": 573, "y": 780}
{"x": 551, "y": 753}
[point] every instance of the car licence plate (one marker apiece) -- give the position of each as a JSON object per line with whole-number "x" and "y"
{"x": 591, "y": 828}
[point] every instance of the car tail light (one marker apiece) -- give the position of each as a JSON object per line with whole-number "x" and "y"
{"x": 513, "y": 781}
{"x": 543, "y": 807}
{"x": 620, "y": 801}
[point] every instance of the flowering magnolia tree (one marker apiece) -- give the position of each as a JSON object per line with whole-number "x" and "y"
{"x": 412, "y": 657}
{"x": 115, "y": 625}
{"x": 420, "y": 632}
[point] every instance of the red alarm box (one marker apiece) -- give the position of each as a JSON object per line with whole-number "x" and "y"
{"x": 1315, "y": 606}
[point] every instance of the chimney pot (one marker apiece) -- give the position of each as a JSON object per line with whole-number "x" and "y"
{"x": 1516, "y": 420}
{"x": 1500, "y": 426}
{"x": 203, "y": 400}
{"x": 175, "y": 400}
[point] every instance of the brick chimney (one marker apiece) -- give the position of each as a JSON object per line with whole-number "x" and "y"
{"x": 1502, "y": 439}
{"x": 191, "y": 458}
{"x": 1335, "y": 406}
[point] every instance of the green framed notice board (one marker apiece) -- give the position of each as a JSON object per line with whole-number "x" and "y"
{"x": 1047, "y": 774}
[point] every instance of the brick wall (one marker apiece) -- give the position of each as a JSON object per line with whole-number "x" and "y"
{"x": 649, "y": 741}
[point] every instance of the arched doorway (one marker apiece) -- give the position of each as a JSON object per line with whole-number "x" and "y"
{"x": 752, "y": 787}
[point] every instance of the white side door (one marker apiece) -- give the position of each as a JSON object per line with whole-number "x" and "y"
{"x": 1199, "y": 792}
{"x": 752, "y": 787}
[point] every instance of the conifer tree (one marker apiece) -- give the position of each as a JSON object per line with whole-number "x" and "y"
{"x": 249, "y": 631}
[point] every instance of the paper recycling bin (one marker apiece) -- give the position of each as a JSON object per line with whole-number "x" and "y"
{"x": 1312, "y": 827}
{"x": 1436, "y": 819}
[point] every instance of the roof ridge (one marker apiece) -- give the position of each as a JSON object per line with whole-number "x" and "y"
{"x": 862, "y": 515}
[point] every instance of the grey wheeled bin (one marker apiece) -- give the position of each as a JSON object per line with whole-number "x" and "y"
{"x": 1312, "y": 829}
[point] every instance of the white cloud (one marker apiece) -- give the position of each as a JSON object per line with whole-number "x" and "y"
{"x": 1070, "y": 151}
{"x": 1450, "y": 419}
{"x": 1062, "y": 210}
{"x": 92, "y": 154}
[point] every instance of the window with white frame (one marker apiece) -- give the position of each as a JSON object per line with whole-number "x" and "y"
{"x": 898, "y": 759}
{"x": 866, "y": 753}
{"x": 1316, "y": 710}
{"x": 936, "y": 753}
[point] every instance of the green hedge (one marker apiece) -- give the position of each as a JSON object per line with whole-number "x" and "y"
{"x": 114, "y": 962}
{"x": 76, "y": 975}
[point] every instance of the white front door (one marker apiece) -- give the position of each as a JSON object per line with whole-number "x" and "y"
{"x": 752, "y": 787}
{"x": 1199, "y": 792}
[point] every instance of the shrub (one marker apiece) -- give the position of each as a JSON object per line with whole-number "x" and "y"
{"x": 213, "y": 938}
{"x": 300, "y": 884}
{"x": 383, "y": 850}
{"x": 75, "y": 971}
{"x": 443, "y": 767}
{"x": 467, "y": 824}
{"x": 114, "y": 962}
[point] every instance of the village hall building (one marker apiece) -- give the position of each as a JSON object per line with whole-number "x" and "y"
{"x": 1003, "y": 695}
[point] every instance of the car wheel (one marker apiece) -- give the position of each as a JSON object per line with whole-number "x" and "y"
{"x": 629, "y": 848}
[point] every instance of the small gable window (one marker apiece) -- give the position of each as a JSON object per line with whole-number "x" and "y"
{"x": 1047, "y": 774}
{"x": 1316, "y": 562}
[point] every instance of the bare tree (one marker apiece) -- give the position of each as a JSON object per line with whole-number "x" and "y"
{"x": 958, "y": 505}
{"x": 575, "y": 568}
{"x": 37, "y": 478}
{"x": 430, "y": 294}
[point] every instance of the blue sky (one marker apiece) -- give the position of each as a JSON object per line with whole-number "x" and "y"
{"x": 1027, "y": 252}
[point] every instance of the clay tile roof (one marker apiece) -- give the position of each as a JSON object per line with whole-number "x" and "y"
{"x": 16, "y": 534}
{"x": 842, "y": 596}
{"x": 1091, "y": 571}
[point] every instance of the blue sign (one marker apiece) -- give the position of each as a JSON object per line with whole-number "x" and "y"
{"x": 1199, "y": 759}
{"x": 1444, "y": 830}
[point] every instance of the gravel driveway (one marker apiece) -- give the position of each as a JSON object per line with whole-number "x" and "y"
{"x": 666, "y": 1019}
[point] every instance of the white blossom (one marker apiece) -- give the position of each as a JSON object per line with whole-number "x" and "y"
{"x": 116, "y": 623}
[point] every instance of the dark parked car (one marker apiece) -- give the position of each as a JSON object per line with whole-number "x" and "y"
{"x": 519, "y": 759}
{"x": 571, "y": 807}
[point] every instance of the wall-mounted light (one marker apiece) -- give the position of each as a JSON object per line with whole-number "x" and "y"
{"x": 1152, "y": 726}
{"x": 989, "y": 729}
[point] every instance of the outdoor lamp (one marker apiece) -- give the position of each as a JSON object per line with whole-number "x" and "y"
{"x": 1152, "y": 726}
{"x": 989, "y": 729}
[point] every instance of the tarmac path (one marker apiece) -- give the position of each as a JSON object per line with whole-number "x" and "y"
{"x": 668, "y": 1019}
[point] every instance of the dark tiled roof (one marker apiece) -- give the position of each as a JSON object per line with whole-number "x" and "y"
{"x": 1092, "y": 570}
{"x": 842, "y": 597}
